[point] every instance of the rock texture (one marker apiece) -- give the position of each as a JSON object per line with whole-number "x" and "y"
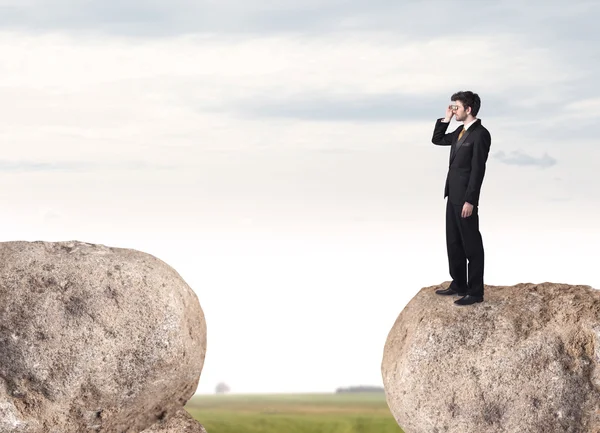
{"x": 94, "y": 339}
{"x": 181, "y": 422}
{"x": 525, "y": 360}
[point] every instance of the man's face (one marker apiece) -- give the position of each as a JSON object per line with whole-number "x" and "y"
{"x": 459, "y": 112}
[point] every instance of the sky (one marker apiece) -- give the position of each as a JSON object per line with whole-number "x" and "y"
{"x": 278, "y": 155}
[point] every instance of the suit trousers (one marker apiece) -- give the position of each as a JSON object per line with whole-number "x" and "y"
{"x": 464, "y": 242}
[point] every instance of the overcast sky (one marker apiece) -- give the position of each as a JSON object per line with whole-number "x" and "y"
{"x": 278, "y": 155}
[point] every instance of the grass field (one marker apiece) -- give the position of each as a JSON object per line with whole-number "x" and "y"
{"x": 294, "y": 413}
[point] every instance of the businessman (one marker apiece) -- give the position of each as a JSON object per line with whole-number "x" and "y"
{"x": 470, "y": 146}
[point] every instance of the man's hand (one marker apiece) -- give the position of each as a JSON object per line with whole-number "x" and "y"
{"x": 449, "y": 113}
{"x": 467, "y": 210}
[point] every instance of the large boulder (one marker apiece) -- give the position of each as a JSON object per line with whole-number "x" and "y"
{"x": 94, "y": 339}
{"x": 527, "y": 359}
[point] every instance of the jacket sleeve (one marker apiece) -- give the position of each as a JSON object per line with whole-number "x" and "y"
{"x": 481, "y": 150}
{"x": 439, "y": 133}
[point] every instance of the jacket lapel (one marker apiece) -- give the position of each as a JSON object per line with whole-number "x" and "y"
{"x": 460, "y": 142}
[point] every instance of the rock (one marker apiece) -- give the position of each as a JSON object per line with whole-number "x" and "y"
{"x": 526, "y": 360}
{"x": 181, "y": 422}
{"x": 94, "y": 339}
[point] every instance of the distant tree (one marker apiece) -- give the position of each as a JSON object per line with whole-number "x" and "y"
{"x": 222, "y": 388}
{"x": 361, "y": 388}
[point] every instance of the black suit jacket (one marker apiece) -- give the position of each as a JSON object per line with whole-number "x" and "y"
{"x": 467, "y": 160}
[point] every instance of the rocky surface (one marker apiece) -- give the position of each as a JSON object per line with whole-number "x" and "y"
{"x": 94, "y": 339}
{"x": 181, "y": 422}
{"x": 525, "y": 360}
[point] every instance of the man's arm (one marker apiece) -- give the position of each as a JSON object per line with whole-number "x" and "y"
{"x": 439, "y": 133}
{"x": 481, "y": 149}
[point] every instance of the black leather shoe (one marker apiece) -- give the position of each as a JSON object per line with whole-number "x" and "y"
{"x": 449, "y": 291}
{"x": 468, "y": 300}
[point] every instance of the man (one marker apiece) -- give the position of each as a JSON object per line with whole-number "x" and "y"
{"x": 470, "y": 146}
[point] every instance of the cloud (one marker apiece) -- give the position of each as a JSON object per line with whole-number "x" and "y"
{"x": 49, "y": 215}
{"x": 349, "y": 77}
{"x": 318, "y": 76}
{"x": 559, "y": 199}
{"x": 79, "y": 166}
{"x": 387, "y": 107}
{"x": 418, "y": 19}
{"x": 521, "y": 159}
{"x": 162, "y": 18}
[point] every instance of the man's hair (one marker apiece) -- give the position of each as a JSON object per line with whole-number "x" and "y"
{"x": 468, "y": 99}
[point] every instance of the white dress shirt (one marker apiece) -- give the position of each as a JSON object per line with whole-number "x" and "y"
{"x": 469, "y": 124}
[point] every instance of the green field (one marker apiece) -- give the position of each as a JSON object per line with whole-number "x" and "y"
{"x": 294, "y": 413}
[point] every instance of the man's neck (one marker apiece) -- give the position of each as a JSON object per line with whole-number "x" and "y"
{"x": 469, "y": 121}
